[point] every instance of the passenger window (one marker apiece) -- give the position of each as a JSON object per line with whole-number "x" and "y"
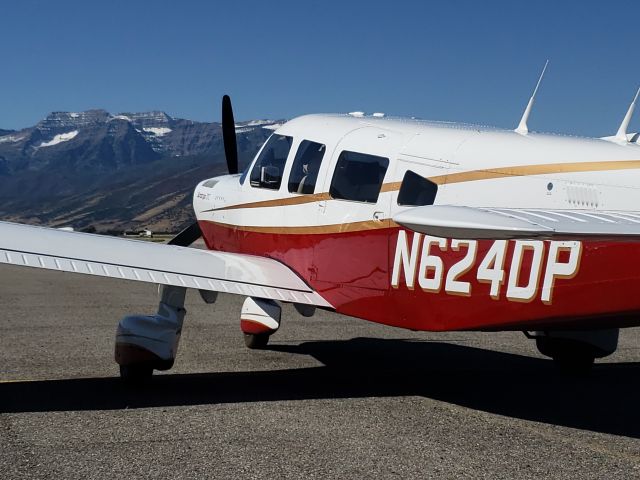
{"x": 416, "y": 190}
{"x": 267, "y": 171}
{"x": 358, "y": 177}
{"x": 304, "y": 171}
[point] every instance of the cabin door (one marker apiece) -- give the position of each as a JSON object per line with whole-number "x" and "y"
{"x": 354, "y": 221}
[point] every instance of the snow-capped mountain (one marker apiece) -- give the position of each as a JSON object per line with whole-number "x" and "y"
{"x": 113, "y": 171}
{"x": 97, "y": 140}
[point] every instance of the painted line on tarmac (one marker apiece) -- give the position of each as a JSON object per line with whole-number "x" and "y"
{"x": 26, "y": 380}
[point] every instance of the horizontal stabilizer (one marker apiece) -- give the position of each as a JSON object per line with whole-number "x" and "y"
{"x": 509, "y": 223}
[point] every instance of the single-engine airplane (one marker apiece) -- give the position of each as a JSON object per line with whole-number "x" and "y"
{"x": 419, "y": 225}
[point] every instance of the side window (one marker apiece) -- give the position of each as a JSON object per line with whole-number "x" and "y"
{"x": 304, "y": 171}
{"x": 416, "y": 190}
{"x": 358, "y": 177}
{"x": 267, "y": 171}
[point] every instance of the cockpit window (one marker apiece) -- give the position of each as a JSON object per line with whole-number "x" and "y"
{"x": 267, "y": 171}
{"x": 304, "y": 171}
{"x": 416, "y": 190}
{"x": 358, "y": 177}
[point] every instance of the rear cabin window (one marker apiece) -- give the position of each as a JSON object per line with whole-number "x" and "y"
{"x": 416, "y": 190}
{"x": 267, "y": 171}
{"x": 304, "y": 171}
{"x": 358, "y": 177}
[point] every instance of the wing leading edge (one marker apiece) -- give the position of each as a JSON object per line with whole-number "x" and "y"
{"x": 89, "y": 254}
{"x": 512, "y": 223}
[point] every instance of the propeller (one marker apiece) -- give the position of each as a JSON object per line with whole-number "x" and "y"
{"x": 187, "y": 236}
{"x": 229, "y": 135}
{"x": 193, "y": 232}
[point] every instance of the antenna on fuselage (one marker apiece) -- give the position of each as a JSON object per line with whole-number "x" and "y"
{"x": 622, "y": 131}
{"x": 522, "y": 126}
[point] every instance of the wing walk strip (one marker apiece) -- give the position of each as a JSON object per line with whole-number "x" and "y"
{"x": 630, "y": 218}
{"x": 505, "y": 223}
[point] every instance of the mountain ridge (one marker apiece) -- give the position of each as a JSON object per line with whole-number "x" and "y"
{"x": 131, "y": 170}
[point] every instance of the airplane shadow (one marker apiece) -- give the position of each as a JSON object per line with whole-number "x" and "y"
{"x": 506, "y": 384}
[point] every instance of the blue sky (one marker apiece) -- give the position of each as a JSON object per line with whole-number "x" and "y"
{"x": 469, "y": 61}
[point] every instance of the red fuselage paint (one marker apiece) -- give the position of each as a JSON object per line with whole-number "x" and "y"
{"x": 352, "y": 270}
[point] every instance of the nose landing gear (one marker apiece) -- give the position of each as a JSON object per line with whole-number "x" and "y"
{"x": 574, "y": 351}
{"x": 259, "y": 320}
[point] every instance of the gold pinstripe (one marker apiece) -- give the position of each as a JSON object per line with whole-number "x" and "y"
{"x": 314, "y": 229}
{"x": 460, "y": 177}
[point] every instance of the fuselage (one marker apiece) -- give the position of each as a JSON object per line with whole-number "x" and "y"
{"x": 321, "y": 195}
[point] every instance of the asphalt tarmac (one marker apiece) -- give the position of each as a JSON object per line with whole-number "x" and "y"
{"x": 331, "y": 397}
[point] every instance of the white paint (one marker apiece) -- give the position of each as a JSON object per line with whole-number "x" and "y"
{"x": 437, "y": 149}
{"x": 431, "y": 266}
{"x": 264, "y": 312}
{"x": 525, "y": 292}
{"x": 556, "y": 269}
{"x": 491, "y": 269}
{"x": 405, "y": 259}
{"x": 452, "y": 284}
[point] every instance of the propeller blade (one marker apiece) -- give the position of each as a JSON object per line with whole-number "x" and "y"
{"x": 187, "y": 236}
{"x": 229, "y": 135}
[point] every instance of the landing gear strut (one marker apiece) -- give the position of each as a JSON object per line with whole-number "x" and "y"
{"x": 259, "y": 320}
{"x": 145, "y": 343}
{"x": 574, "y": 351}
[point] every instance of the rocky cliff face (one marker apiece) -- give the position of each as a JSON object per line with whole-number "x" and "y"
{"x": 113, "y": 172}
{"x": 98, "y": 141}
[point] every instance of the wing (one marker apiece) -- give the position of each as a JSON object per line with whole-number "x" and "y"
{"x": 511, "y": 223}
{"x": 39, "y": 247}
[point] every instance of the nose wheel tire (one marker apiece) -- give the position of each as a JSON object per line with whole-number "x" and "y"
{"x": 256, "y": 341}
{"x": 569, "y": 356}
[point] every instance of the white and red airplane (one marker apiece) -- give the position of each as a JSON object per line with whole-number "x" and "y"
{"x": 419, "y": 225}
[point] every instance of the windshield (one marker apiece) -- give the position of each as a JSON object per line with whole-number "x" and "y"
{"x": 268, "y": 169}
